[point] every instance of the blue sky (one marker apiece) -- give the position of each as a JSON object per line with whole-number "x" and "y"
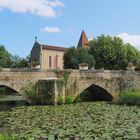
{"x": 60, "y": 22}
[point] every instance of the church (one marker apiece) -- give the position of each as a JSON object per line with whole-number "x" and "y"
{"x": 51, "y": 57}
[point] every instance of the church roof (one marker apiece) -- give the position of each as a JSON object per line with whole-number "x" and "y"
{"x": 83, "y": 41}
{"x": 56, "y": 48}
{"x": 50, "y": 47}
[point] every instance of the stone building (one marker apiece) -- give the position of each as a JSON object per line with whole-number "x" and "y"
{"x": 46, "y": 56}
{"x": 51, "y": 57}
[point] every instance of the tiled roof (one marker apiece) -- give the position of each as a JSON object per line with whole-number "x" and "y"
{"x": 49, "y": 47}
{"x": 83, "y": 41}
{"x": 56, "y": 48}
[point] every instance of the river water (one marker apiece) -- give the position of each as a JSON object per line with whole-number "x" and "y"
{"x": 84, "y": 121}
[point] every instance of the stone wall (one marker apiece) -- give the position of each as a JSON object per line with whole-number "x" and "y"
{"x": 113, "y": 82}
{"x": 17, "y": 79}
{"x": 47, "y": 91}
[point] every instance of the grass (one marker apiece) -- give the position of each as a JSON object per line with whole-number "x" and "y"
{"x": 130, "y": 98}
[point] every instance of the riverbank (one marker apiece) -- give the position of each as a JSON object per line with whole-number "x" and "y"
{"x": 81, "y": 121}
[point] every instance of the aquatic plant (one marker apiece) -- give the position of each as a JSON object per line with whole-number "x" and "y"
{"x": 6, "y": 136}
{"x": 98, "y": 121}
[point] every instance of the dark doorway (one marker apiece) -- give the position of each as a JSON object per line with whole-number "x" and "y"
{"x": 95, "y": 93}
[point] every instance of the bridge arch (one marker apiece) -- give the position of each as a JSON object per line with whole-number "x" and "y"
{"x": 9, "y": 85}
{"x": 9, "y": 90}
{"x": 95, "y": 93}
{"x": 97, "y": 90}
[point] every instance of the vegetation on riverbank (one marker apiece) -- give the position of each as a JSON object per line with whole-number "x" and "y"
{"x": 97, "y": 120}
{"x": 130, "y": 97}
{"x": 30, "y": 94}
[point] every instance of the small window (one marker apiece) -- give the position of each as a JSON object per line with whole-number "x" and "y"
{"x": 50, "y": 61}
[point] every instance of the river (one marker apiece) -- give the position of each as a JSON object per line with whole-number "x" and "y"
{"x": 80, "y": 121}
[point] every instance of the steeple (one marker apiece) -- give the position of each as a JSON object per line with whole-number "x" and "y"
{"x": 83, "y": 41}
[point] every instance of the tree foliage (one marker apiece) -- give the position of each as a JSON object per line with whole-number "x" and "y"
{"x": 112, "y": 53}
{"x": 10, "y": 61}
{"x": 5, "y": 60}
{"x": 73, "y": 57}
{"x": 18, "y": 62}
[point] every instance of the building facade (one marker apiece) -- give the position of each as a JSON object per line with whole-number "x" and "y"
{"x": 46, "y": 56}
{"x": 51, "y": 57}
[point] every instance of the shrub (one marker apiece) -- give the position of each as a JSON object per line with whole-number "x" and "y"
{"x": 69, "y": 100}
{"x": 83, "y": 65}
{"x": 60, "y": 100}
{"x": 73, "y": 57}
{"x": 78, "y": 100}
{"x": 34, "y": 63}
{"x": 130, "y": 98}
{"x": 30, "y": 94}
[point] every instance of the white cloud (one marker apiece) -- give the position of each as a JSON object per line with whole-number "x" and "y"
{"x": 51, "y": 29}
{"x": 38, "y": 7}
{"x": 132, "y": 39}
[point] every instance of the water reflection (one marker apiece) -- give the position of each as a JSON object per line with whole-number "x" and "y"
{"x": 6, "y": 106}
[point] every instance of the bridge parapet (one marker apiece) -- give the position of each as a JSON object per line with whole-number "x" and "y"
{"x": 110, "y": 80}
{"x": 17, "y": 79}
{"x": 106, "y": 74}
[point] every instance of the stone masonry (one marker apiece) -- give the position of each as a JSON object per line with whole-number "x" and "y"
{"x": 17, "y": 79}
{"x": 112, "y": 81}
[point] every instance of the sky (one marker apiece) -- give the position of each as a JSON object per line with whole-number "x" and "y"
{"x": 60, "y": 22}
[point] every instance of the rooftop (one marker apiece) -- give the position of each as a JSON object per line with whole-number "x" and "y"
{"x": 50, "y": 47}
{"x": 83, "y": 41}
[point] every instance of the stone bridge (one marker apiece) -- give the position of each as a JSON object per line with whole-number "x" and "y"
{"x": 17, "y": 79}
{"x": 112, "y": 81}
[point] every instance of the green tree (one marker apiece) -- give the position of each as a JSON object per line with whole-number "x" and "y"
{"x": 9, "y": 61}
{"x": 73, "y": 57}
{"x": 18, "y": 62}
{"x": 70, "y": 59}
{"x": 132, "y": 54}
{"x": 5, "y": 60}
{"x": 111, "y": 53}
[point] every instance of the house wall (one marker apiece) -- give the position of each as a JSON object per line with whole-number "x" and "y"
{"x": 54, "y": 56}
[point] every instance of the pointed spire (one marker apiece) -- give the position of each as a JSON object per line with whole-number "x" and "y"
{"x": 83, "y": 41}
